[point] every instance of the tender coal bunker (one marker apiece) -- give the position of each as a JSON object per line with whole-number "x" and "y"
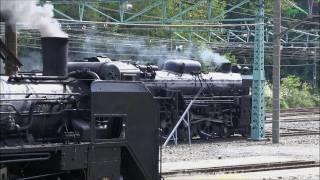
{"x": 55, "y": 56}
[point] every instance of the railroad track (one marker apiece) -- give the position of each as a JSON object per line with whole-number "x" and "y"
{"x": 291, "y": 110}
{"x": 268, "y": 134}
{"x": 285, "y": 118}
{"x": 269, "y": 115}
{"x": 294, "y": 132}
{"x": 285, "y": 134}
{"x": 296, "y": 119}
{"x": 302, "y": 115}
{"x": 198, "y": 140}
{"x": 296, "y": 112}
{"x": 296, "y": 115}
{"x": 245, "y": 168}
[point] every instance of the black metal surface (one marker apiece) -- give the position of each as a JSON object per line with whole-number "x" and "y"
{"x": 83, "y": 74}
{"x": 224, "y": 68}
{"x": 110, "y": 70}
{"x": 180, "y": 80}
{"x": 182, "y": 66}
{"x": 110, "y": 129}
{"x": 56, "y": 126}
{"x": 65, "y": 136}
{"x": 105, "y": 70}
{"x": 139, "y": 158}
{"x": 23, "y": 157}
{"x": 55, "y": 56}
{"x": 245, "y": 115}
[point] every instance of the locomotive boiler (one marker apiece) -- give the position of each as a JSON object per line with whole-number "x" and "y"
{"x": 220, "y": 109}
{"x": 73, "y": 125}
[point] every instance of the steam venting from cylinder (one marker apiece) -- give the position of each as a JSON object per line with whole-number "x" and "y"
{"x": 55, "y": 56}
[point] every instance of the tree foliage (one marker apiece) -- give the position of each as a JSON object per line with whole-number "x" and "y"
{"x": 294, "y": 93}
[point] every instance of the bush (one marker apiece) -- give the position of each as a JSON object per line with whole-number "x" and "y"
{"x": 293, "y": 93}
{"x": 283, "y": 103}
{"x": 297, "y": 93}
{"x": 299, "y": 98}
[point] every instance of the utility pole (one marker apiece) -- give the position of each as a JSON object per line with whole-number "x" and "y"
{"x": 276, "y": 72}
{"x": 315, "y": 83}
{"x": 257, "y": 112}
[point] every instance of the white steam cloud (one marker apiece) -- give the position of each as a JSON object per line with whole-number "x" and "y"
{"x": 209, "y": 57}
{"x": 29, "y": 13}
{"x": 136, "y": 48}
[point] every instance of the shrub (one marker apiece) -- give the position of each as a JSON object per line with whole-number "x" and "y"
{"x": 293, "y": 93}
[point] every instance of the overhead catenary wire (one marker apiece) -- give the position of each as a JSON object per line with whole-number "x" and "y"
{"x": 78, "y": 40}
{"x": 97, "y": 52}
{"x": 80, "y": 36}
{"x": 158, "y": 25}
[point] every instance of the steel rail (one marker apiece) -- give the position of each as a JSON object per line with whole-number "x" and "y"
{"x": 246, "y": 168}
{"x": 295, "y": 120}
{"x": 286, "y": 134}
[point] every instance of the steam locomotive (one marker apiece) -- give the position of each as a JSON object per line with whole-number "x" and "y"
{"x": 73, "y": 125}
{"x": 220, "y": 109}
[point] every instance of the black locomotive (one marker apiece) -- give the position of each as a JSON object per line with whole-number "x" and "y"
{"x": 221, "y": 109}
{"x": 73, "y": 125}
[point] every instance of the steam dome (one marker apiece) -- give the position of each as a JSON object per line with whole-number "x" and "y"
{"x": 182, "y": 66}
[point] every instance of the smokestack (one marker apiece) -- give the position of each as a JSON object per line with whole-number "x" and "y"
{"x": 54, "y": 55}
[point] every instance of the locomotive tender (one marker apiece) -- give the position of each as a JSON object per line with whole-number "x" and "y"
{"x": 76, "y": 126}
{"x": 221, "y": 109}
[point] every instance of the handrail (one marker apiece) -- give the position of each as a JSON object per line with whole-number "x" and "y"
{"x": 182, "y": 117}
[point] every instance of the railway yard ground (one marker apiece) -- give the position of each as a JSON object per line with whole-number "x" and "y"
{"x": 296, "y": 157}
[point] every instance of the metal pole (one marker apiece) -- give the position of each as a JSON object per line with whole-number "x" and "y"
{"x": 121, "y": 9}
{"x": 182, "y": 117}
{"x": 189, "y": 128}
{"x": 81, "y": 10}
{"x": 257, "y": 110}
{"x": 276, "y": 72}
{"x": 164, "y": 10}
{"x": 315, "y": 84}
{"x": 209, "y": 10}
{"x": 11, "y": 43}
{"x": 209, "y": 17}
